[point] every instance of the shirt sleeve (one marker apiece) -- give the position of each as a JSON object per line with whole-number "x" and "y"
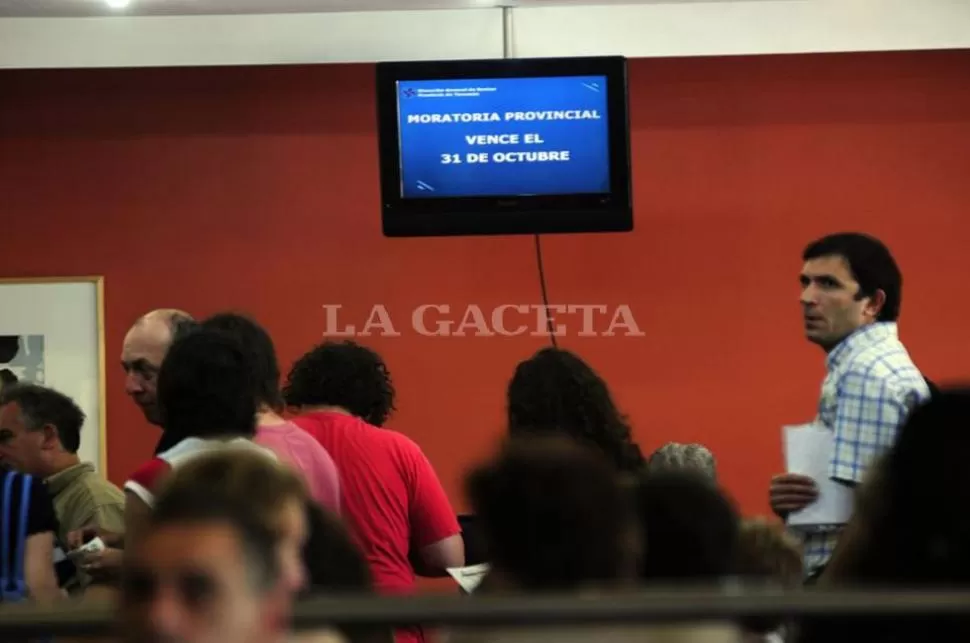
{"x": 869, "y": 412}
{"x": 145, "y": 479}
{"x": 431, "y": 515}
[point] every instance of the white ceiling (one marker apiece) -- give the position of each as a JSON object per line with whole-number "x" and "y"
{"x": 81, "y": 8}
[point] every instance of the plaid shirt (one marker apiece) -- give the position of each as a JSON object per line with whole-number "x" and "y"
{"x": 870, "y": 389}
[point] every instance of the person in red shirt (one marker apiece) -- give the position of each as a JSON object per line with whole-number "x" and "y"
{"x": 391, "y": 497}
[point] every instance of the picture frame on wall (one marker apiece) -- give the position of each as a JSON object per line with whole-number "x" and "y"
{"x": 52, "y": 333}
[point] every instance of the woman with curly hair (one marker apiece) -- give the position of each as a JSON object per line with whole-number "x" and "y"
{"x": 391, "y": 497}
{"x": 557, "y": 392}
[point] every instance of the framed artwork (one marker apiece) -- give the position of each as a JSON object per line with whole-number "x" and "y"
{"x": 52, "y": 333}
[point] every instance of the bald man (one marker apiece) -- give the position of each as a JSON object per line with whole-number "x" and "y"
{"x": 146, "y": 345}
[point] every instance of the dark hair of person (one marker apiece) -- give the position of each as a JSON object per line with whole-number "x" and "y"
{"x": 343, "y": 374}
{"x": 553, "y": 515}
{"x": 7, "y": 377}
{"x": 929, "y": 542}
{"x": 41, "y": 406}
{"x": 767, "y": 554}
{"x": 690, "y": 529}
{"x": 257, "y": 344}
{"x": 871, "y": 264}
{"x": 258, "y": 542}
{"x": 907, "y": 534}
{"x": 335, "y": 565}
{"x": 181, "y": 324}
{"x": 9, "y": 347}
{"x": 556, "y": 391}
{"x": 206, "y": 389}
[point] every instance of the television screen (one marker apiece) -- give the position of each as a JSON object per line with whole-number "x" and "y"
{"x": 504, "y": 146}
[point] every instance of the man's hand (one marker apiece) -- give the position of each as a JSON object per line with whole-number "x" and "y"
{"x": 80, "y": 536}
{"x": 102, "y": 565}
{"x": 791, "y": 492}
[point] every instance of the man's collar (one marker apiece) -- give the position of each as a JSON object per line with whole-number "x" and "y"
{"x": 861, "y": 337}
{"x": 66, "y": 477}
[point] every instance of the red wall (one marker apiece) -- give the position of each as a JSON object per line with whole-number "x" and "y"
{"x": 255, "y": 188}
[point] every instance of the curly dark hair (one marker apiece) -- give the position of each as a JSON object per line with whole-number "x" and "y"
{"x": 343, "y": 374}
{"x": 557, "y": 392}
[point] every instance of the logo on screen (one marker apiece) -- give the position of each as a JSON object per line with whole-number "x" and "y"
{"x": 409, "y": 93}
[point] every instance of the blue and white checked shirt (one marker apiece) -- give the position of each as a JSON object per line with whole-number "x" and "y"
{"x": 870, "y": 389}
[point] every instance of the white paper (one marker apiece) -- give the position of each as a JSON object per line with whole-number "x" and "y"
{"x": 469, "y": 577}
{"x": 808, "y": 450}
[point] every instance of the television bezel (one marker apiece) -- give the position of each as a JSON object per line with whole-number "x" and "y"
{"x": 490, "y": 215}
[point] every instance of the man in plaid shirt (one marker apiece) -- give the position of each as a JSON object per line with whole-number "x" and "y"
{"x": 851, "y": 289}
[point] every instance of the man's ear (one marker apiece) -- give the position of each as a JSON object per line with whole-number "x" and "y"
{"x": 51, "y": 438}
{"x": 875, "y": 304}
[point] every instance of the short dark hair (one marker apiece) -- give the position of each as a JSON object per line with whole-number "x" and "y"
{"x": 205, "y": 387}
{"x": 336, "y": 565}
{"x": 7, "y": 377}
{"x": 40, "y": 406}
{"x": 553, "y": 514}
{"x": 181, "y": 325}
{"x": 343, "y": 374}
{"x": 259, "y": 350}
{"x": 690, "y": 528}
{"x": 871, "y": 264}
{"x": 334, "y": 561}
{"x": 555, "y": 391}
{"x": 9, "y": 347}
{"x": 257, "y": 540}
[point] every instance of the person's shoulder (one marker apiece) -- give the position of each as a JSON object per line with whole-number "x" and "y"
{"x": 15, "y": 487}
{"x": 402, "y": 445}
{"x": 289, "y": 438}
{"x": 888, "y": 366}
{"x": 97, "y": 489}
{"x": 145, "y": 478}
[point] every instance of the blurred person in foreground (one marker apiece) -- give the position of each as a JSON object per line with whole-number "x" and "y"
{"x": 391, "y": 497}
{"x": 689, "y": 529}
{"x": 557, "y": 519}
{"x": 555, "y": 391}
{"x": 275, "y": 497}
{"x": 768, "y": 555}
{"x": 910, "y": 531}
{"x": 203, "y": 571}
{"x": 554, "y": 517}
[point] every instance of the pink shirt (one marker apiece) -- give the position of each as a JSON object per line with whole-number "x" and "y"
{"x": 300, "y": 450}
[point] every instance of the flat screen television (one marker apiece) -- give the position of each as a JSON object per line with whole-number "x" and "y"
{"x": 505, "y": 146}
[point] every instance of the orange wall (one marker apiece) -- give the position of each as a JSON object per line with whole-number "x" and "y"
{"x": 255, "y": 188}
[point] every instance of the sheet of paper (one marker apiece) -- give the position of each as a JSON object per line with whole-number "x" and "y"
{"x": 808, "y": 450}
{"x": 469, "y": 577}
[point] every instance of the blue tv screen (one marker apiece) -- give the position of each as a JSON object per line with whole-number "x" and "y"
{"x": 504, "y": 136}
{"x": 504, "y": 146}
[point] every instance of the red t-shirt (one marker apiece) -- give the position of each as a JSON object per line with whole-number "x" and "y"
{"x": 390, "y": 495}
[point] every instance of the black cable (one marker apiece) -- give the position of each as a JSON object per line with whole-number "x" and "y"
{"x": 550, "y": 325}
